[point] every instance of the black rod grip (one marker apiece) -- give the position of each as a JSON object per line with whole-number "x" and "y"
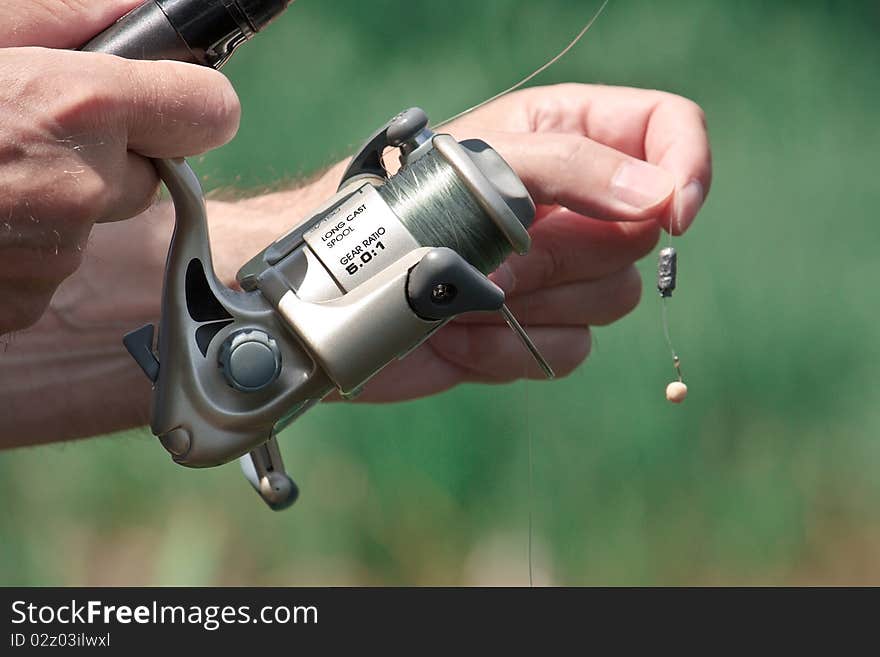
{"x": 202, "y": 32}
{"x": 144, "y": 33}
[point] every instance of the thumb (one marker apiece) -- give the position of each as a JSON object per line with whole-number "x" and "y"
{"x": 58, "y": 24}
{"x": 168, "y": 109}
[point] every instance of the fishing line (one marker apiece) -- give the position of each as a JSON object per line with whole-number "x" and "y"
{"x": 429, "y": 183}
{"x": 531, "y": 473}
{"x": 436, "y": 207}
{"x": 667, "y": 273}
{"x": 531, "y": 76}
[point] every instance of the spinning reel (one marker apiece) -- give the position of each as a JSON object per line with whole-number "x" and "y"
{"x": 360, "y": 282}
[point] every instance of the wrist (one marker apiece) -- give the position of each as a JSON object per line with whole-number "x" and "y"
{"x": 241, "y": 229}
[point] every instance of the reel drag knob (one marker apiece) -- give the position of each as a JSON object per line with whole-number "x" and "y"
{"x": 250, "y": 360}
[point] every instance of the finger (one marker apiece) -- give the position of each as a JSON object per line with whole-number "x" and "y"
{"x": 493, "y": 354}
{"x": 166, "y": 109}
{"x": 121, "y": 187}
{"x": 137, "y": 191}
{"x": 676, "y": 139}
{"x": 662, "y": 128}
{"x": 568, "y": 248}
{"x": 36, "y": 259}
{"x": 55, "y": 24}
{"x": 177, "y": 110}
{"x": 586, "y": 176}
{"x": 24, "y": 302}
{"x": 397, "y": 383}
{"x": 590, "y": 303}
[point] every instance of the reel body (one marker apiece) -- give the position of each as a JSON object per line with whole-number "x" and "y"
{"x": 325, "y": 307}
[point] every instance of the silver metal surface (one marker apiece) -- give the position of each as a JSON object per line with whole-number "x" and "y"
{"x": 520, "y": 332}
{"x": 359, "y": 239}
{"x": 485, "y": 193}
{"x": 353, "y": 337}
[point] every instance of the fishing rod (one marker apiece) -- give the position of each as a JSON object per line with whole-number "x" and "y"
{"x": 362, "y": 281}
{"x": 204, "y": 32}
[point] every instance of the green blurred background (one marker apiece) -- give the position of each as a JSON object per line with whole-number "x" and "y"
{"x": 769, "y": 474}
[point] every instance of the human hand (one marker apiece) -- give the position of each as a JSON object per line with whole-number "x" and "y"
{"x": 76, "y": 134}
{"x": 607, "y": 166}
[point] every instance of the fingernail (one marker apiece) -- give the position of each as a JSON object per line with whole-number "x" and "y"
{"x": 641, "y": 185}
{"x": 690, "y": 200}
{"x": 504, "y": 278}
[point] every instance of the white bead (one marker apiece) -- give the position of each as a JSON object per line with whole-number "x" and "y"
{"x": 676, "y": 392}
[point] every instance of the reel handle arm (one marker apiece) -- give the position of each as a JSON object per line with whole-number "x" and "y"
{"x": 264, "y": 469}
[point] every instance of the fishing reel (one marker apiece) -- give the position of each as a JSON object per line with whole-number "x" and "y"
{"x": 361, "y": 281}
{"x": 354, "y": 286}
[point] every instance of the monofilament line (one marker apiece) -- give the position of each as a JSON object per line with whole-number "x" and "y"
{"x": 673, "y": 219}
{"x": 676, "y": 391}
{"x": 520, "y": 332}
{"x": 531, "y": 461}
{"x": 537, "y": 72}
{"x": 531, "y": 485}
{"x": 675, "y": 359}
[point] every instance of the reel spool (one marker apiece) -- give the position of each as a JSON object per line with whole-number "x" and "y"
{"x": 361, "y": 282}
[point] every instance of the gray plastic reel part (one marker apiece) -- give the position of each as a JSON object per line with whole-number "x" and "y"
{"x": 198, "y": 420}
{"x": 494, "y": 185}
{"x": 444, "y": 285}
{"x": 264, "y": 469}
{"x": 408, "y": 131}
{"x": 250, "y": 360}
{"x": 490, "y": 179}
{"x": 199, "y": 417}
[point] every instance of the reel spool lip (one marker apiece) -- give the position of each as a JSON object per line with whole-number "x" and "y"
{"x": 485, "y": 193}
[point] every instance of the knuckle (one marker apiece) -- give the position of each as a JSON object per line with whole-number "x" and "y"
{"x": 200, "y": 103}
{"x": 545, "y": 112}
{"x": 629, "y": 291}
{"x": 639, "y": 239}
{"x": 697, "y": 110}
{"x": 95, "y": 197}
{"x": 84, "y": 102}
{"x": 550, "y": 262}
{"x": 64, "y": 264}
{"x": 62, "y": 93}
{"x": 143, "y": 107}
{"x": 624, "y": 291}
{"x": 686, "y": 106}
{"x": 146, "y": 201}
{"x": 647, "y": 234}
{"x": 24, "y": 308}
{"x": 572, "y": 149}
{"x": 84, "y": 199}
{"x": 568, "y": 154}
